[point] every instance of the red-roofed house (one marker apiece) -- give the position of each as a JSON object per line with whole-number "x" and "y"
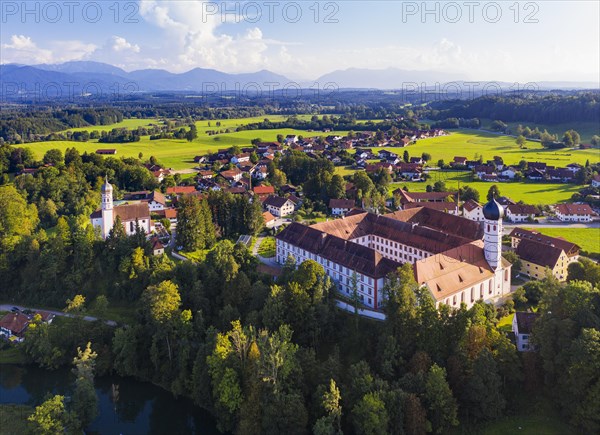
{"x": 263, "y": 192}
{"x": 574, "y": 212}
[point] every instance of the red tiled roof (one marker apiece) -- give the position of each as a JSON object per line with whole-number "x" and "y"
{"x": 341, "y": 203}
{"x": 179, "y": 190}
{"x": 575, "y": 209}
{"x": 264, "y": 190}
{"x": 16, "y": 323}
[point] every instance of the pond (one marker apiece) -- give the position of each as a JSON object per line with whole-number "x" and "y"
{"x": 125, "y": 406}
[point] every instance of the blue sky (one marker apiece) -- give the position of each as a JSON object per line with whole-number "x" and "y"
{"x": 510, "y": 41}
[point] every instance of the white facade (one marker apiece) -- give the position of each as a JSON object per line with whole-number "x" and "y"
{"x": 521, "y": 339}
{"x": 367, "y": 287}
{"x": 516, "y": 217}
{"x": 573, "y": 217}
{"x": 155, "y": 206}
{"x": 107, "y": 209}
{"x": 285, "y": 210}
{"x": 475, "y": 215}
{"x": 338, "y": 211}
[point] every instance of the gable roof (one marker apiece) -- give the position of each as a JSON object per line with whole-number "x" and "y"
{"x": 363, "y": 260}
{"x": 132, "y": 212}
{"x": 575, "y": 209}
{"x": 546, "y": 256}
{"x": 179, "y": 190}
{"x": 453, "y": 270}
{"x": 525, "y": 321}
{"x": 569, "y": 247}
{"x": 523, "y": 209}
{"x": 275, "y": 201}
{"x": 471, "y": 205}
{"x": 341, "y": 203}
{"x": 16, "y": 323}
{"x": 264, "y": 190}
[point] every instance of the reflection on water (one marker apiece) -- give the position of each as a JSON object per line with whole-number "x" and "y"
{"x": 126, "y": 406}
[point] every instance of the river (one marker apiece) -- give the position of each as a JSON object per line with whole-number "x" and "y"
{"x": 135, "y": 408}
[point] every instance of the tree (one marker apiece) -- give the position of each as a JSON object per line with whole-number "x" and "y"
{"x": 441, "y": 404}
{"x": 406, "y": 156}
{"x": 595, "y": 140}
{"x": 467, "y": 193}
{"x": 54, "y": 157}
{"x": 192, "y": 134}
{"x": 521, "y": 141}
{"x": 100, "y": 305}
{"x": 51, "y": 417}
{"x": 331, "y": 422}
{"x": 336, "y": 188}
{"x": 426, "y": 157}
{"x": 513, "y": 259}
{"x": 439, "y": 186}
{"x": 194, "y": 224}
{"x": 484, "y": 399}
{"x": 75, "y": 305}
{"x": 85, "y": 402}
{"x": 370, "y": 416}
{"x": 415, "y": 417}
{"x": 17, "y": 218}
{"x": 161, "y": 304}
{"x": 493, "y": 192}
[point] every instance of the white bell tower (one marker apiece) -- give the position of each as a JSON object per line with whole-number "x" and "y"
{"x": 107, "y": 208}
{"x": 492, "y": 238}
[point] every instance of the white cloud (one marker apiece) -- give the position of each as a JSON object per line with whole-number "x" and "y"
{"x": 22, "y": 49}
{"x": 120, "y": 44}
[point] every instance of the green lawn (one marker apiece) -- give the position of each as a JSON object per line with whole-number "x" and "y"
{"x": 587, "y": 238}
{"x": 505, "y": 323}
{"x": 13, "y": 419}
{"x": 267, "y": 247}
{"x": 585, "y": 129}
{"x": 528, "y": 191}
{"x": 198, "y": 256}
{"x": 528, "y": 425}
{"x": 467, "y": 143}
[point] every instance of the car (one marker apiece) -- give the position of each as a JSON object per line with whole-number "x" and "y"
{"x": 15, "y": 309}
{"x": 27, "y": 311}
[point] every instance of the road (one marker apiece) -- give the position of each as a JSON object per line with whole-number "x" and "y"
{"x": 8, "y": 307}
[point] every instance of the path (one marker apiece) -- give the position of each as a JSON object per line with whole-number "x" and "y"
{"x": 264, "y": 260}
{"x": 9, "y": 307}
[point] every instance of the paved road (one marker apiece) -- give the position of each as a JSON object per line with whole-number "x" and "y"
{"x": 8, "y": 307}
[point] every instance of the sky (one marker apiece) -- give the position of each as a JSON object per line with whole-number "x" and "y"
{"x": 479, "y": 40}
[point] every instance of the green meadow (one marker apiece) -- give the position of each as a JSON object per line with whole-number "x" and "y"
{"x": 179, "y": 154}
{"x": 588, "y": 239}
{"x": 527, "y": 191}
{"x": 585, "y": 129}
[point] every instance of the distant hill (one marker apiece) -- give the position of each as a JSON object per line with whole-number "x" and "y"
{"x": 110, "y": 79}
{"x": 390, "y": 78}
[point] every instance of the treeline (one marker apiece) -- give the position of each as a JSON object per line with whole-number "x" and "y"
{"x": 343, "y": 122}
{"x": 541, "y": 109}
{"x": 25, "y": 126}
{"x": 68, "y": 184}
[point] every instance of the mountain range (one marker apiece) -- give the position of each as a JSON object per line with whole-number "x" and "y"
{"x": 90, "y": 76}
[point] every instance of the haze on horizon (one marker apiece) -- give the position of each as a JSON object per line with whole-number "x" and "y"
{"x": 505, "y": 41}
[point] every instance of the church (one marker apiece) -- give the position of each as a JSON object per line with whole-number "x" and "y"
{"x": 131, "y": 215}
{"x": 457, "y": 260}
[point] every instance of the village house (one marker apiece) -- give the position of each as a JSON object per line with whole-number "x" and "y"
{"x": 232, "y": 175}
{"x": 521, "y": 212}
{"x": 473, "y": 210}
{"x": 574, "y": 212}
{"x": 269, "y": 219}
{"x": 205, "y": 174}
{"x": 180, "y": 190}
{"x": 522, "y": 326}
{"x": 14, "y": 325}
{"x": 596, "y": 181}
{"x": 340, "y": 206}
{"x": 509, "y": 172}
{"x": 410, "y": 171}
{"x": 459, "y": 161}
{"x": 107, "y": 152}
{"x": 263, "y": 192}
{"x": 157, "y": 247}
{"x": 279, "y": 206}
{"x": 447, "y": 252}
{"x": 240, "y": 158}
{"x": 538, "y": 252}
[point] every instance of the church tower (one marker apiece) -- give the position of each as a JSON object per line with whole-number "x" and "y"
{"x": 492, "y": 238}
{"x": 107, "y": 208}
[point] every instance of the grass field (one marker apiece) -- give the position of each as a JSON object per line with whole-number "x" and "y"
{"x": 467, "y": 143}
{"x": 267, "y": 247}
{"x": 505, "y": 323}
{"x": 587, "y": 238}
{"x": 585, "y": 129}
{"x": 529, "y": 192}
